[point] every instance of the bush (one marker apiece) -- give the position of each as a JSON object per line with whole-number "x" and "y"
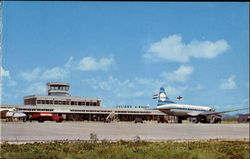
{"x": 93, "y": 137}
{"x": 212, "y": 149}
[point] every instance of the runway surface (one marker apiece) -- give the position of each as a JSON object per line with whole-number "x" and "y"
{"x": 28, "y": 132}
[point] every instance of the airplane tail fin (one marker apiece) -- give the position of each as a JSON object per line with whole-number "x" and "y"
{"x": 162, "y": 97}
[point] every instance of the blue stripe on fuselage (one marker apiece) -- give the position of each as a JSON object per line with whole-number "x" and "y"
{"x": 173, "y": 107}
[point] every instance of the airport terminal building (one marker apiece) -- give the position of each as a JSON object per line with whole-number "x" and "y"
{"x": 59, "y": 101}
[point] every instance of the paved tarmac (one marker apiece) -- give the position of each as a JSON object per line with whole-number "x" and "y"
{"x": 48, "y": 131}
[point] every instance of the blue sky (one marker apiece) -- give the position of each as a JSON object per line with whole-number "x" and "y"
{"x": 122, "y": 52}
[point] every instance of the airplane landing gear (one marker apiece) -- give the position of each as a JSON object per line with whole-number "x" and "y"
{"x": 196, "y": 120}
{"x": 201, "y": 119}
{"x": 215, "y": 120}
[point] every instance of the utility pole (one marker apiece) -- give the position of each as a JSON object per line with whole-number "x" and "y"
{"x": 1, "y": 50}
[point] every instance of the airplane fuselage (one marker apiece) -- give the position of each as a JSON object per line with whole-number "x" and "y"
{"x": 15, "y": 115}
{"x": 183, "y": 110}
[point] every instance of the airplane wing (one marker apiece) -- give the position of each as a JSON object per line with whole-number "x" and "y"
{"x": 197, "y": 113}
{"x": 216, "y": 113}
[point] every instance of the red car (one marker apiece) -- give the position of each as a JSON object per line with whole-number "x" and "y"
{"x": 41, "y": 117}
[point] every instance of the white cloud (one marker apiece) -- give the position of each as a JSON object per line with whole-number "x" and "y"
{"x": 36, "y": 88}
{"x": 92, "y": 64}
{"x": 113, "y": 84}
{"x": 45, "y": 74}
{"x": 199, "y": 87}
{"x": 173, "y": 49}
{"x": 69, "y": 63}
{"x": 41, "y": 74}
{"x": 143, "y": 80}
{"x": 152, "y": 86}
{"x": 114, "y": 87}
{"x": 4, "y": 73}
{"x": 12, "y": 83}
{"x": 104, "y": 85}
{"x": 86, "y": 64}
{"x": 179, "y": 75}
{"x": 30, "y": 76}
{"x": 134, "y": 89}
{"x": 228, "y": 83}
{"x": 55, "y": 73}
{"x": 174, "y": 90}
{"x": 139, "y": 94}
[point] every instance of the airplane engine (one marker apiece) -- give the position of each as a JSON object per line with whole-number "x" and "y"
{"x": 19, "y": 115}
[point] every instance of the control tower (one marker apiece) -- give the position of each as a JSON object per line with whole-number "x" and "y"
{"x": 58, "y": 89}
